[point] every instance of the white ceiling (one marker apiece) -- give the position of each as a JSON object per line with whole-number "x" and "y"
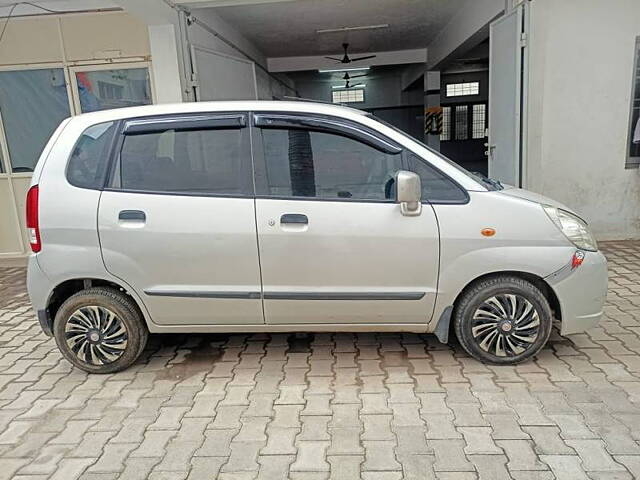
{"x": 288, "y": 28}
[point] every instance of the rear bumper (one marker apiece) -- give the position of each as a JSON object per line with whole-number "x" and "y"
{"x": 581, "y": 292}
{"x": 38, "y": 288}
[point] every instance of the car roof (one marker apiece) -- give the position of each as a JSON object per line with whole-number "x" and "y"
{"x": 220, "y": 106}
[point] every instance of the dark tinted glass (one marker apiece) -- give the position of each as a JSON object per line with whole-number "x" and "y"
{"x": 195, "y": 162}
{"x": 302, "y": 163}
{"x": 436, "y": 187}
{"x": 89, "y": 157}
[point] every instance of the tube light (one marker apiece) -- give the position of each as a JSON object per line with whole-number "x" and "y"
{"x": 351, "y": 29}
{"x": 336, "y": 70}
{"x": 341, "y": 87}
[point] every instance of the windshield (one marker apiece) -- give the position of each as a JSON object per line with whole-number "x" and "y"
{"x": 487, "y": 182}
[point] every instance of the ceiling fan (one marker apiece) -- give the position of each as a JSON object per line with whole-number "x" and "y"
{"x": 346, "y": 58}
{"x": 348, "y": 77}
{"x": 348, "y": 85}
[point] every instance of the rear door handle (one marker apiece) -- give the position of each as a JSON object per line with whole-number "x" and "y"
{"x": 295, "y": 218}
{"x": 136, "y": 215}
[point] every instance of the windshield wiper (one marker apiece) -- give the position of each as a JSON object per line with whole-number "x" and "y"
{"x": 494, "y": 183}
{"x": 489, "y": 181}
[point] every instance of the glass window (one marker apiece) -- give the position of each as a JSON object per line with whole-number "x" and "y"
{"x": 194, "y": 161}
{"x": 462, "y": 89}
{"x": 446, "y": 124}
{"x": 436, "y": 187}
{"x": 633, "y": 156}
{"x": 104, "y": 89}
{"x": 462, "y": 129}
{"x": 302, "y": 163}
{"x": 88, "y": 161}
{"x": 478, "y": 121}
{"x": 33, "y": 103}
{"x": 355, "y": 95}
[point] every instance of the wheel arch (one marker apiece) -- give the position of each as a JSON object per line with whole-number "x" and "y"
{"x": 536, "y": 280}
{"x": 444, "y": 327}
{"x": 63, "y": 290}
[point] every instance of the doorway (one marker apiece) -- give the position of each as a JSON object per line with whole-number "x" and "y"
{"x": 483, "y": 99}
{"x": 464, "y": 100}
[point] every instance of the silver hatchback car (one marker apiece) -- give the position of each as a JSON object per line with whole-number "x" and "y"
{"x": 290, "y": 216}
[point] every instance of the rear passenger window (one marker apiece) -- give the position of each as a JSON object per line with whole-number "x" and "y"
{"x": 90, "y": 156}
{"x": 436, "y": 187}
{"x": 200, "y": 161}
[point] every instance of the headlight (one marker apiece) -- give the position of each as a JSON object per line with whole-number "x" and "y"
{"x": 574, "y": 228}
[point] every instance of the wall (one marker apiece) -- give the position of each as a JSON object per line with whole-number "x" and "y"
{"x": 200, "y": 36}
{"x": 76, "y": 37}
{"x": 581, "y": 61}
{"x": 170, "y": 35}
{"x": 267, "y": 87}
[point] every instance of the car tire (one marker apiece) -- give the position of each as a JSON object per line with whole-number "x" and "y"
{"x": 502, "y": 320}
{"x": 100, "y": 330}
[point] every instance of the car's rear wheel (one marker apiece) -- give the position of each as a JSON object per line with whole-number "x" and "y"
{"x": 503, "y": 320}
{"x": 100, "y": 330}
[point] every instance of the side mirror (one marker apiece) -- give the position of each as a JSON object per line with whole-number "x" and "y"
{"x": 408, "y": 193}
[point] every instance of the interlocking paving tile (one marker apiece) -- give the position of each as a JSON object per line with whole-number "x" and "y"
{"x": 313, "y": 407}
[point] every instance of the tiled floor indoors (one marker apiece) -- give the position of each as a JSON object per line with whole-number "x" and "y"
{"x": 372, "y": 406}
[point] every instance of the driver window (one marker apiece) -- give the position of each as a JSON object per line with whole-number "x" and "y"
{"x": 306, "y": 163}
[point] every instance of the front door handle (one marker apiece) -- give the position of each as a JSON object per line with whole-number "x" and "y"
{"x": 135, "y": 215}
{"x": 294, "y": 218}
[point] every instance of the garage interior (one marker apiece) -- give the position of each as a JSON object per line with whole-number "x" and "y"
{"x": 372, "y": 58}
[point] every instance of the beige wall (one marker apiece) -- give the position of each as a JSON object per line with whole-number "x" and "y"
{"x": 80, "y": 38}
{"x": 581, "y": 61}
{"x": 10, "y": 240}
{"x": 62, "y": 41}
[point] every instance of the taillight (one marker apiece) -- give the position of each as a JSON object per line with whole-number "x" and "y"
{"x": 33, "y": 224}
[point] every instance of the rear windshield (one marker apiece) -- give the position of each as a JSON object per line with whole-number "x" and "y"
{"x": 88, "y": 161}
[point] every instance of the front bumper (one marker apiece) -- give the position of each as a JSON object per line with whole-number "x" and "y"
{"x": 581, "y": 292}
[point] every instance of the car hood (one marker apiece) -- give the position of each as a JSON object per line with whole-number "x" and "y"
{"x": 533, "y": 197}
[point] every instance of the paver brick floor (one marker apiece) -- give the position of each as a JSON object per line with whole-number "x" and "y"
{"x": 371, "y": 406}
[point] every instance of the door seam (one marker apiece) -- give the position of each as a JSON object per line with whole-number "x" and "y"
{"x": 255, "y": 213}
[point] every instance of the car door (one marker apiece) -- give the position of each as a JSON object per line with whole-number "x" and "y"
{"x": 334, "y": 247}
{"x": 177, "y": 221}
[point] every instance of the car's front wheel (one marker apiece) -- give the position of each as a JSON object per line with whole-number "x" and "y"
{"x": 503, "y": 320}
{"x": 100, "y": 330}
